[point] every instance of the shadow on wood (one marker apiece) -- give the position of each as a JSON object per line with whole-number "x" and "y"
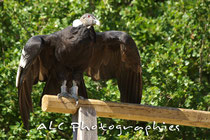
{"x": 128, "y": 111}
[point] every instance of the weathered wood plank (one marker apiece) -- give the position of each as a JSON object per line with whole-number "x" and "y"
{"x": 127, "y": 111}
{"x": 85, "y": 122}
{"x": 88, "y": 124}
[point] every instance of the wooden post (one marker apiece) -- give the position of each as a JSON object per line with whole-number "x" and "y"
{"x": 87, "y": 122}
{"x": 178, "y": 116}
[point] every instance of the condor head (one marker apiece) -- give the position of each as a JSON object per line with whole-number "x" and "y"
{"x": 86, "y": 20}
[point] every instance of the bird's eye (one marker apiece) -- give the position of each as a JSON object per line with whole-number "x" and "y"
{"x": 88, "y": 16}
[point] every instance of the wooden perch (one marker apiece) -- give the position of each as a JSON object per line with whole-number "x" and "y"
{"x": 127, "y": 111}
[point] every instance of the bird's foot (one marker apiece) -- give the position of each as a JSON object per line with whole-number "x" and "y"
{"x": 69, "y": 95}
{"x": 80, "y": 97}
{"x": 77, "y": 100}
{"x": 74, "y": 96}
{"x": 65, "y": 95}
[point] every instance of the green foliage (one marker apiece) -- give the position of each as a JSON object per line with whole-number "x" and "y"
{"x": 173, "y": 39}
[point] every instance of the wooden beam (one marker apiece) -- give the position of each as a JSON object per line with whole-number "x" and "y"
{"x": 128, "y": 111}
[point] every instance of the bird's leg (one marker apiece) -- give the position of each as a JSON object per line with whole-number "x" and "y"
{"x": 64, "y": 92}
{"x": 74, "y": 90}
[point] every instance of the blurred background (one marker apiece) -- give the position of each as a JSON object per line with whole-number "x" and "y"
{"x": 173, "y": 42}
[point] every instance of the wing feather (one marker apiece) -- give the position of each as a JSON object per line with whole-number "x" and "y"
{"x": 116, "y": 56}
{"x": 30, "y": 70}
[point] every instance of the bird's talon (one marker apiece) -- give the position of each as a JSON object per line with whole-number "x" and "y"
{"x": 59, "y": 96}
{"x": 77, "y": 102}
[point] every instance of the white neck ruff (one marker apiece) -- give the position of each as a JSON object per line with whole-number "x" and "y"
{"x": 77, "y": 23}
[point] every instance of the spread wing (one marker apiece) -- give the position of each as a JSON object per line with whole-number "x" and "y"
{"x": 116, "y": 56}
{"x": 34, "y": 66}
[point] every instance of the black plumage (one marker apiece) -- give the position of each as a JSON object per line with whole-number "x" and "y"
{"x": 65, "y": 55}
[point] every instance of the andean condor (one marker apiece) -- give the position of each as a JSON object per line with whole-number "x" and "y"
{"x": 61, "y": 58}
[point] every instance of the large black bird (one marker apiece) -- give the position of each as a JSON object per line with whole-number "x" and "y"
{"x": 61, "y": 58}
